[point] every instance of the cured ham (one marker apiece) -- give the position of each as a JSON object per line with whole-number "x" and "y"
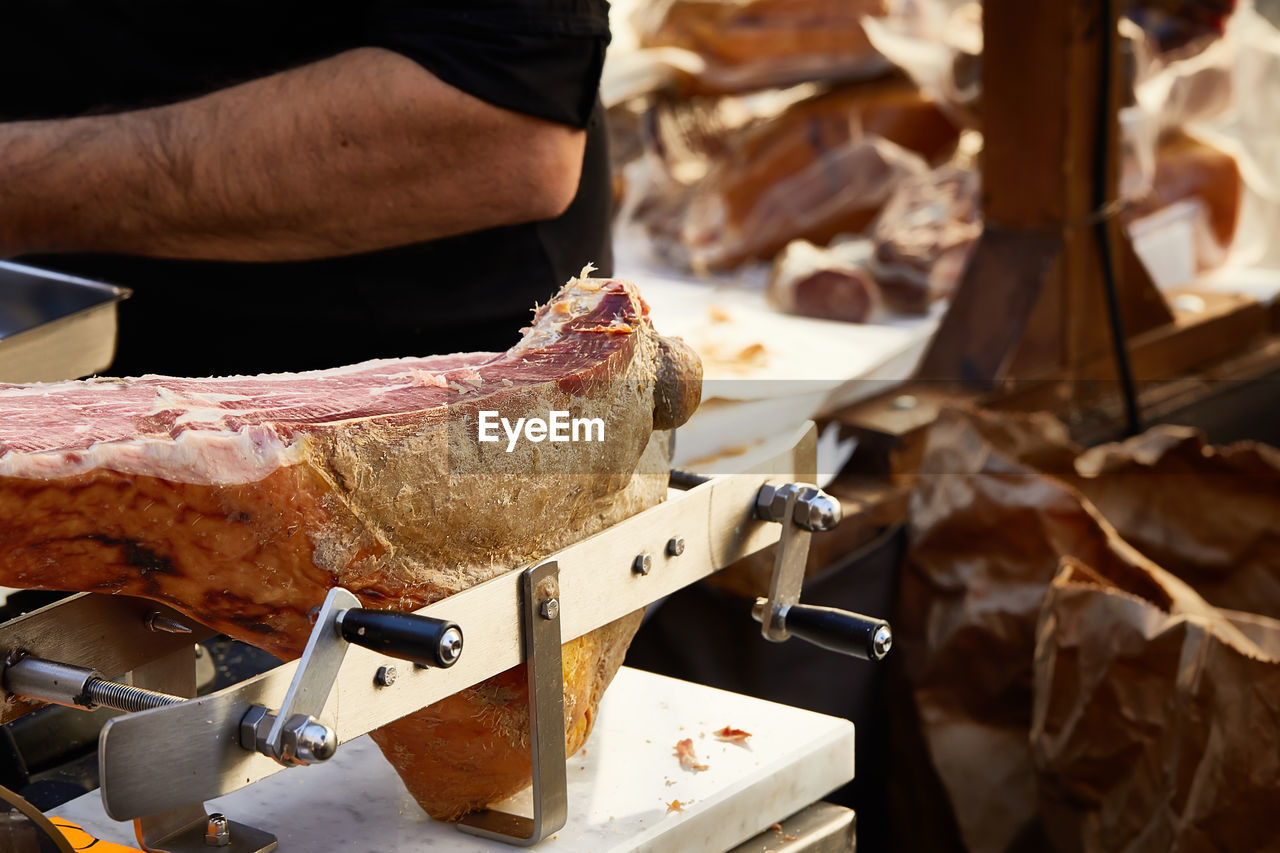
{"x": 242, "y": 500}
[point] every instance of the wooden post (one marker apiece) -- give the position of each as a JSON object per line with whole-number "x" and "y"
{"x": 1032, "y": 302}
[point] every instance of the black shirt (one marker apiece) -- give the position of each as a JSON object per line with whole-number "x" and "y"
{"x": 471, "y": 292}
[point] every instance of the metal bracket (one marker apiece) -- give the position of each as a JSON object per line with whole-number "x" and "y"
{"x": 183, "y": 829}
{"x": 789, "y": 562}
{"x": 188, "y": 829}
{"x": 72, "y": 631}
{"x": 295, "y": 736}
{"x": 540, "y": 637}
{"x": 803, "y": 510}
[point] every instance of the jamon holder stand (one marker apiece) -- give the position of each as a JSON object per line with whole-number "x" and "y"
{"x": 163, "y": 760}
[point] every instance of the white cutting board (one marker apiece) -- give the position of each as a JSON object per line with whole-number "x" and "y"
{"x": 620, "y": 785}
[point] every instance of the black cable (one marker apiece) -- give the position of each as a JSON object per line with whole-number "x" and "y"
{"x": 1102, "y": 225}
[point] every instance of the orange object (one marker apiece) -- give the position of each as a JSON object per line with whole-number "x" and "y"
{"x": 81, "y": 840}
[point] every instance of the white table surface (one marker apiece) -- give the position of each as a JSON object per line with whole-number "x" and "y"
{"x": 620, "y": 784}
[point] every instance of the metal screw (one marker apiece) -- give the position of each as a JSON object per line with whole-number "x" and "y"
{"x": 385, "y": 676}
{"x": 155, "y": 621}
{"x": 216, "y": 832}
{"x": 675, "y": 547}
{"x": 882, "y": 641}
{"x": 642, "y": 564}
{"x": 550, "y": 609}
{"x": 904, "y": 403}
{"x": 125, "y": 697}
{"x": 450, "y": 646}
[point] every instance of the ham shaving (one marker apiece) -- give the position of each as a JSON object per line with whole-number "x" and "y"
{"x": 688, "y": 760}
{"x": 731, "y": 735}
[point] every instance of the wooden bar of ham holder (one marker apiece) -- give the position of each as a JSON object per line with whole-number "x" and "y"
{"x": 1031, "y": 303}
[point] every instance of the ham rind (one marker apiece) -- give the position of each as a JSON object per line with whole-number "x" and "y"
{"x": 242, "y": 500}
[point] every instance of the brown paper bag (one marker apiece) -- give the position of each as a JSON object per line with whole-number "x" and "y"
{"x": 994, "y": 516}
{"x": 1209, "y": 515}
{"x": 1154, "y": 725}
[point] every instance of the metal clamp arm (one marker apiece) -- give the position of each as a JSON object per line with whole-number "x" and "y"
{"x": 294, "y": 734}
{"x": 803, "y": 510}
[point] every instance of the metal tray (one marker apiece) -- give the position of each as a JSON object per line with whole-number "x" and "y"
{"x": 54, "y": 326}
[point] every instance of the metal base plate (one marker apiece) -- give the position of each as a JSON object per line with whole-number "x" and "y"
{"x": 244, "y": 839}
{"x": 619, "y": 797}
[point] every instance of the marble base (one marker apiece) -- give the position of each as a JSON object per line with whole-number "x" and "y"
{"x": 621, "y": 784}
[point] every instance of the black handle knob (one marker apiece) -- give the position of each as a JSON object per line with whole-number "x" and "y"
{"x": 421, "y": 639}
{"x": 839, "y": 630}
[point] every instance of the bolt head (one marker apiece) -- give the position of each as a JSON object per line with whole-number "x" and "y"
{"x": 306, "y": 740}
{"x": 385, "y": 676}
{"x": 675, "y": 547}
{"x": 642, "y": 564}
{"x": 450, "y": 648}
{"x": 904, "y": 403}
{"x": 817, "y": 511}
{"x": 217, "y": 832}
{"x": 882, "y": 641}
{"x": 550, "y": 609}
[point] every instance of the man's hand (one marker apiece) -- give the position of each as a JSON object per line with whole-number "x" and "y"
{"x": 363, "y": 151}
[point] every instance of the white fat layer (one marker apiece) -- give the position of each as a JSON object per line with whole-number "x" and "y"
{"x": 107, "y": 384}
{"x": 196, "y": 415}
{"x": 201, "y": 457}
{"x": 170, "y": 398}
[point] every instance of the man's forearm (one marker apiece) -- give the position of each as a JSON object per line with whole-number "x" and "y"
{"x": 363, "y": 151}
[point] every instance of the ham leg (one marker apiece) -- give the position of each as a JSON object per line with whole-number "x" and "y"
{"x": 242, "y": 500}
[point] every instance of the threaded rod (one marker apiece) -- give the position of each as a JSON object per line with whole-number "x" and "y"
{"x": 124, "y": 697}
{"x": 77, "y": 687}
